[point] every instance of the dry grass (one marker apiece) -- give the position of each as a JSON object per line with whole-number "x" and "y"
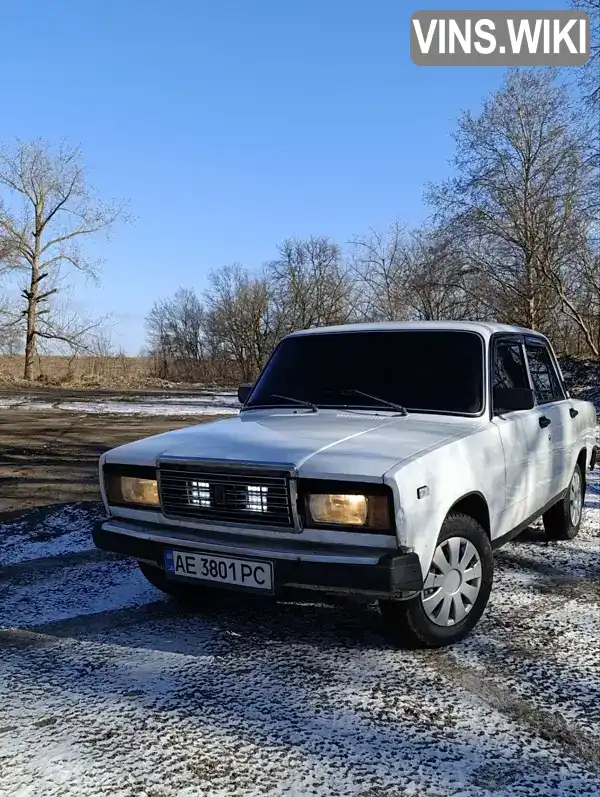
{"x": 83, "y": 371}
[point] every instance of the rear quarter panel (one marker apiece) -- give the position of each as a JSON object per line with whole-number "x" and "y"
{"x": 472, "y": 464}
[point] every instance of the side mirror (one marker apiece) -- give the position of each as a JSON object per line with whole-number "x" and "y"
{"x": 243, "y": 393}
{"x": 509, "y": 399}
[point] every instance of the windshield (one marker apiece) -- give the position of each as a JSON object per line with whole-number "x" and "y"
{"x": 430, "y": 371}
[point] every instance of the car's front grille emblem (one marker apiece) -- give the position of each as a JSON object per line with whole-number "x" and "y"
{"x": 219, "y": 494}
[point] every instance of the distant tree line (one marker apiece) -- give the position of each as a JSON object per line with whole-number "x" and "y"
{"x": 514, "y": 237}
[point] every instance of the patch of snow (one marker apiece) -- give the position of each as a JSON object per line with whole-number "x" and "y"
{"x": 144, "y": 408}
{"x": 218, "y": 403}
{"x": 24, "y": 404}
{"x": 223, "y": 397}
{"x": 67, "y": 529}
{"x": 100, "y": 587}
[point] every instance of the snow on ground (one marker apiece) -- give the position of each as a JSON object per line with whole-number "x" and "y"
{"x": 201, "y": 403}
{"x": 108, "y": 688}
{"x": 40, "y": 533}
{"x": 146, "y": 408}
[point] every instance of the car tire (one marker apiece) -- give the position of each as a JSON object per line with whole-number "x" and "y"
{"x": 563, "y": 520}
{"x": 183, "y": 593}
{"x": 434, "y": 617}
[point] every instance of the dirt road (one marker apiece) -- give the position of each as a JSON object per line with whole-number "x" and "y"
{"x": 49, "y": 457}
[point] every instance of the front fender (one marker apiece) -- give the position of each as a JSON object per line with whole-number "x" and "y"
{"x": 472, "y": 464}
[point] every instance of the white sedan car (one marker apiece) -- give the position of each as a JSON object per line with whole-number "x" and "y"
{"x": 380, "y": 460}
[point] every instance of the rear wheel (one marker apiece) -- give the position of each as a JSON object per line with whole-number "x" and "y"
{"x": 184, "y": 593}
{"x": 562, "y": 521}
{"x": 456, "y": 589}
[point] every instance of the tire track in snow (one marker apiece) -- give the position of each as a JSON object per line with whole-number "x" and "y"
{"x": 110, "y": 620}
{"x": 554, "y": 577}
{"x": 23, "y": 570}
{"x": 551, "y": 726}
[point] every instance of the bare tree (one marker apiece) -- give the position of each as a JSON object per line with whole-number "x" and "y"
{"x": 590, "y": 72}
{"x": 101, "y": 343}
{"x": 46, "y": 209}
{"x": 524, "y": 197}
{"x": 414, "y": 274}
{"x": 311, "y": 283}
{"x": 231, "y": 331}
{"x": 242, "y": 318}
{"x": 439, "y": 284}
{"x": 578, "y": 290}
{"x": 381, "y": 264}
{"x": 176, "y": 334}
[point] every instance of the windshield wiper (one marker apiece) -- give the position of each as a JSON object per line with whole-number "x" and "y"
{"x": 301, "y": 402}
{"x": 402, "y": 410}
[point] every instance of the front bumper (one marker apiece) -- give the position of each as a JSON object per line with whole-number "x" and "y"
{"x": 341, "y": 569}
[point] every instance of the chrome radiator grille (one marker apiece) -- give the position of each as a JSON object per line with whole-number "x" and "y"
{"x": 226, "y": 493}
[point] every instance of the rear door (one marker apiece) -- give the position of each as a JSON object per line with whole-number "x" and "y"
{"x": 525, "y": 436}
{"x": 557, "y": 409}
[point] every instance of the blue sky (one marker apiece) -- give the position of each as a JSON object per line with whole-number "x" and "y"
{"x": 232, "y": 124}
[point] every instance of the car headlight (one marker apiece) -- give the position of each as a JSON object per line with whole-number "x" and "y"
{"x": 345, "y": 509}
{"x": 132, "y": 490}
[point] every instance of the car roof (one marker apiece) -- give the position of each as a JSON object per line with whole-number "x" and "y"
{"x": 484, "y": 328}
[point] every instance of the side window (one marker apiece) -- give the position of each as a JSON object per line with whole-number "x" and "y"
{"x": 543, "y": 374}
{"x": 509, "y": 367}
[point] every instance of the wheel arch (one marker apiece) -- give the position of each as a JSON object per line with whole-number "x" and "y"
{"x": 582, "y": 462}
{"x": 475, "y": 506}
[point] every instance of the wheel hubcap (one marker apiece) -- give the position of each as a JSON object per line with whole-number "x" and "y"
{"x": 575, "y": 499}
{"x": 453, "y": 582}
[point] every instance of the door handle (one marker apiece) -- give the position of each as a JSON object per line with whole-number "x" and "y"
{"x": 573, "y": 412}
{"x": 544, "y": 421}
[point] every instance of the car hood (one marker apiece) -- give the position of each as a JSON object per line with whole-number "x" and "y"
{"x": 329, "y": 444}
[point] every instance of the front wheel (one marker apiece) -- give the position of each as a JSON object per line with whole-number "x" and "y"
{"x": 456, "y": 589}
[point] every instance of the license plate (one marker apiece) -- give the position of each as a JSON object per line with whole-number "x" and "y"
{"x": 220, "y": 569}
